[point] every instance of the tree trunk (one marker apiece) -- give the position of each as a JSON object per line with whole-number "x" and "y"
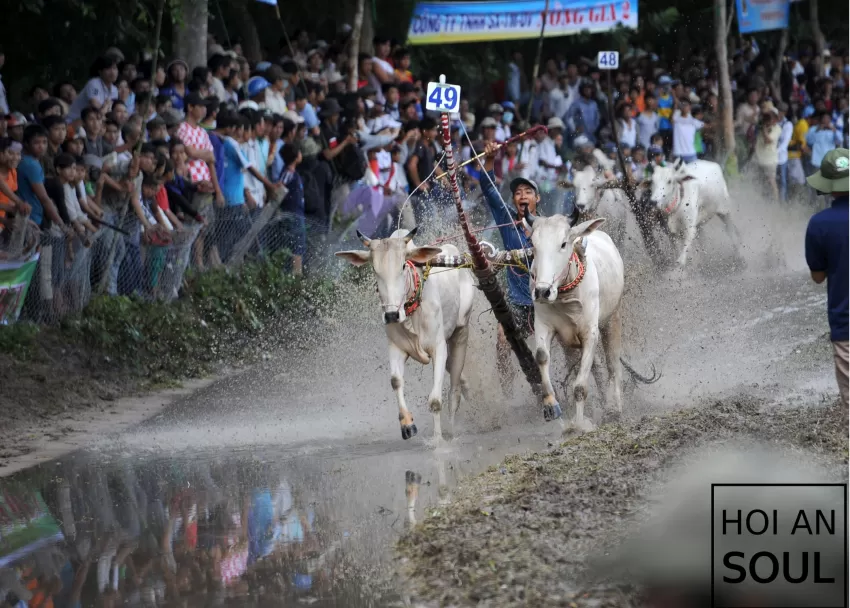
{"x": 817, "y": 34}
{"x": 356, "y": 30}
{"x": 190, "y": 36}
{"x": 247, "y": 28}
{"x": 726, "y": 140}
{"x": 775, "y": 84}
{"x": 367, "y": 33}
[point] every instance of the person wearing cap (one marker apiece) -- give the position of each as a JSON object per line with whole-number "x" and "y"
{"x": 497, "y": 112}
{"x": 827, "y": 247}
{"x": 99, "y": 91}
{"x": 525, "y": 196}
{"x": 15, "y": 123}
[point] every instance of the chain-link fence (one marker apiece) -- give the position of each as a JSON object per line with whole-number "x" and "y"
{"x": 126, "y": 256}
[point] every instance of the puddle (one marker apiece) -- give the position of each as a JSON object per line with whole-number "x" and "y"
{"x": 225, "y": 527}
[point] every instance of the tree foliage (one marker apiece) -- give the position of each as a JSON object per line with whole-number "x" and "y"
{"x": 47, "y": 41}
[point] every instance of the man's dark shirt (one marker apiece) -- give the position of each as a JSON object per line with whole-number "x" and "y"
{"x": 827, "y": 245}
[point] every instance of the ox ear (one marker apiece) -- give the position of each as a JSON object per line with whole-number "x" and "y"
{"x": 682, "y": 176}
{"x": 585, "y": 228}
{"x": 421, "y": 255}
{"x": 357, "y": 258}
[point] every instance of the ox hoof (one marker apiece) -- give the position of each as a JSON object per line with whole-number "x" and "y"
{"x": 552, "y": 412}
{"x": 408, "y": 431}
{"x": 412, "y": 478}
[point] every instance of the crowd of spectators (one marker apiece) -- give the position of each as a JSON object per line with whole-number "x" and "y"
{"x": 176, "y": 167}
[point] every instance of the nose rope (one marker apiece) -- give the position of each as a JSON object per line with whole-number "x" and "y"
{"x": 414, "y": 281}
{"x": 580, "y": 270}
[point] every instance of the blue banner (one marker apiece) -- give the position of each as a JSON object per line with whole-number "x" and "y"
{"x": 448, "y": 22}
{"x": 761, "y": 15}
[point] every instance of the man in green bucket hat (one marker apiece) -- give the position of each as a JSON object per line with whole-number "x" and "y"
{"x": 827, "y": 245}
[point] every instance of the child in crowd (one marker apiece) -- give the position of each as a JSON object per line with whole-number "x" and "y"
{"x": 86, "y": 191}
{"x": 66, "y": 172}
{"x": 10, "y": 203}
{"x": 639, "y": 159}
{"x": 401, "y": 58}
{"x": 293, "y": 225}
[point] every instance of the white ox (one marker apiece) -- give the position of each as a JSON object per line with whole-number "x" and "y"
{"x": 689, "y": 195}
{"x": 577, "y": 280}
{"x": 426, "y": 317}
{"x": 593, "y": 200}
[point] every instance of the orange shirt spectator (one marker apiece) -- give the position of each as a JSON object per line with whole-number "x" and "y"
{"x": 11, "y": 182}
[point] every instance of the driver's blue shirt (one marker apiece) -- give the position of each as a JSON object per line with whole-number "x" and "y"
{"x": 513, "y": 237}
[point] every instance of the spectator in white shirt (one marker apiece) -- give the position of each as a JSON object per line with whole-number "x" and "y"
{"x": 767, "y": 150}
{"x": 627, "y": 126}
{"x": 685, "y": 129}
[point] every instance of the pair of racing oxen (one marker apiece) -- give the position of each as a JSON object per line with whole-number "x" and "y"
{"x": 576, "y": 278}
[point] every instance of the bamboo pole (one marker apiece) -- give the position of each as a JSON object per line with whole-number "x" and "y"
{"x": 484, "y": 271}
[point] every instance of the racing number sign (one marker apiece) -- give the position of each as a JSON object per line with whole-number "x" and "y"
{"x": 608, "y": 60}
{"x": 442, "y": 97}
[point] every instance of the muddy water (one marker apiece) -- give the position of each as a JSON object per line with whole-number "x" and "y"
{"x": 291, "y": 481}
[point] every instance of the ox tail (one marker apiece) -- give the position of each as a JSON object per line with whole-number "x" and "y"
{"x": 656, "y": 376}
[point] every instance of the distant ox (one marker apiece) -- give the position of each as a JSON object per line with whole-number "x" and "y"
{"x": 426, "y": 316}
{"x": 593, "y": 200}
{"x": 577, "y": 282}
{"x": 688, "y": 195}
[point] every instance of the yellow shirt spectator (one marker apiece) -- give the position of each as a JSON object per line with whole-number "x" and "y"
{"x": 798, "y": 139}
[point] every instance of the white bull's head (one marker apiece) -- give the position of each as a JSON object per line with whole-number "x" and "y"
{"x": 554, "y": 242}
{"x": 588, "y": 186}
{"x": 665, "y": 183}
{"x": 389, "y": 257}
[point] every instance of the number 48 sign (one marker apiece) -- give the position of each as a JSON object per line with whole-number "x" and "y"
{"x": 442, "y": 97}
{"x": 608, "y": 60}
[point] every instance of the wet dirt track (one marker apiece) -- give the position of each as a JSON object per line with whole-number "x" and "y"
{"x": 292, "y": 476}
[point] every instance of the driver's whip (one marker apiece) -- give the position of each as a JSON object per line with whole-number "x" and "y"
{"x": 502, "y": 144}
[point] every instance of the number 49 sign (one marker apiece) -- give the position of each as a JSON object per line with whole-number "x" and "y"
{"x": 442, "y": 97}
{"x": 608, "y": 60}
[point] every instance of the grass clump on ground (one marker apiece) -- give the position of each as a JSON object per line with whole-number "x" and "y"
{"x": 520, "y": 534}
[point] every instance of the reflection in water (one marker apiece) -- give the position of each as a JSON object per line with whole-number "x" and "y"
{"x": 262, "y": 528}
{"x": 195, "y": 533}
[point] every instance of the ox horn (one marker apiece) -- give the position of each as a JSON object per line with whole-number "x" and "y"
{"x": 411, "y": 233}
{"x": 529, "y": 219}
{"x": 363, "y": 238}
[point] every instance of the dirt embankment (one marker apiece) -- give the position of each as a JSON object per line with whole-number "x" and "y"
{"x": 520, "y": 534}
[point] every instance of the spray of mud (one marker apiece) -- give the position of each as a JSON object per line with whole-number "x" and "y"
{"x": 328, "y": 379}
